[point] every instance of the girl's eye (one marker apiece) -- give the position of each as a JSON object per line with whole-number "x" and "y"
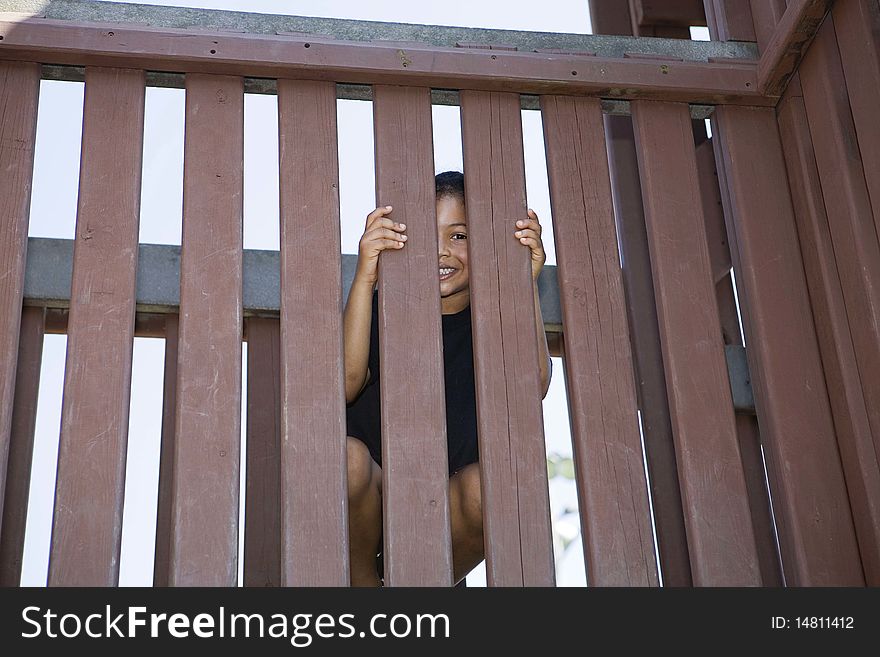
{"x": 459, "y": 236}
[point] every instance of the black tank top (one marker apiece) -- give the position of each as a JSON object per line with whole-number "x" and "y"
{"x": 363, "y": 417}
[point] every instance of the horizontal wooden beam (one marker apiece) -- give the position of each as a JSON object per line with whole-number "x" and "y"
{"x": 305, "y": 56}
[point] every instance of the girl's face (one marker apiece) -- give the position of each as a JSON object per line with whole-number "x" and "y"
{"x": 453, "y": 255}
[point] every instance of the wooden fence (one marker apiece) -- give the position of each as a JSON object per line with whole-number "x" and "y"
{"x": 645, "y": 241}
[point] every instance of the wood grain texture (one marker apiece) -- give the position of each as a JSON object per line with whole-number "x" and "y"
{"x": 848, "y": 207}
{"x": 19, "y": 95}
{"x": 790, "y": 41}
{"x": 615, "y": 515}
{"x": 415, "y": 487}
{"x": 813, "y": 516}
{"x": 164, "y": 505}
{"x": 839, "y": 354}
{"x": 748, "y": 435}
{"x": 512, "y": 453}
{"x": 720, "y": 537}
{"x": 204, "y": 548}
{"x": 273, "y": 56}
{"x": 766, "y": 14}
{"x": 644, "y": 332}
{"x": 315, "y": 520}
{"x": 729, "y": 20}
{"x": 21, "y": 445}
{"x": 262, "y": 516}
{"x": 857, "y": 26}
{"x": 648, "y": 357}
{"x": 90, "y": 486}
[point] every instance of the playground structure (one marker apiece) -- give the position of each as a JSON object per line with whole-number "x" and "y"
{"x": 649, "y": 217}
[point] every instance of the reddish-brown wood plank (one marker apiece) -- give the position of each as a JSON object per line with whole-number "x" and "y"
{"x": 162, "y": 556}
{"x": 848, "y": 207}
{"x": 720, "y": 536}
{"x": 848, "y": 401}
{"x": 262, "y": 518}
{"x": 512, "y": 454}
{"x": 271, "y": 56}
{"x": 315, "y": 520}
{"x": 90, "y": 486}
{"x": 766, "y": 14}
{"x": 669, "y": 527}
{"x": 610, "y": 17}
{"x": 615, "y": 516}
{"x": 648, "y": 366}
{"x": 857, "y": 25}
{"x": 204, "y": 546}
{"x": 19, "y": 93}
{"x": 729, "y": 20}
{"x": 678, "y": 13}
{"x": 813, "y": 517}
{"x": 748, "y": 436}
{"x": 415, "y": 489}
{"x": 790, "y": 40}
{"x": 21, "y": 445}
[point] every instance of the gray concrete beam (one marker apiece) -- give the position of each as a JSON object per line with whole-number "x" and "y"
{"x": 50, "y": 264}
{"x": 354, "y": 30}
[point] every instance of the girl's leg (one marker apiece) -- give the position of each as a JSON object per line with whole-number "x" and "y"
{"x": 364, "y": 513}
{"x": 466, "y": 509}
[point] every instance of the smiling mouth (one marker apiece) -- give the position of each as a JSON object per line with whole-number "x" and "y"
{"x": 446, "y": 273}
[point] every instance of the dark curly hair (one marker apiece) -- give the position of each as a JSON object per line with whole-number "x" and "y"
{"x": 449, "y": 183}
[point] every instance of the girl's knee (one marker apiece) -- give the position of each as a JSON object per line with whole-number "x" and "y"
{"x": 467, "y": 481}
{"x": 360, "y": 469}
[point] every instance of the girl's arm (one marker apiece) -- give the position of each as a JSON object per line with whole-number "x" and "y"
{"x": 380, "y": 233}
{"x": 529, "y": 233}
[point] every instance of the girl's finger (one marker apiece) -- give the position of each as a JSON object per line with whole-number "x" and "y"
{"x": 385, "y": 222}
{"x": 384, "y": 244}
{"x": 528, "y": 232}
{"x": 378, "y": 212}
{"x": 530, "y": 223}
{"x": 384, "y": 233}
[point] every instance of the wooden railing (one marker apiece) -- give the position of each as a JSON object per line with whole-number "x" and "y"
{"x": 807, "y": 303}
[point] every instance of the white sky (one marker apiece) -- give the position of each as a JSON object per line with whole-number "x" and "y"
{"x": 53, "y": 212}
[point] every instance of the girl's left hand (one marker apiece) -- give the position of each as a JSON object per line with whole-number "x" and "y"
{"x": 528, "y": 232}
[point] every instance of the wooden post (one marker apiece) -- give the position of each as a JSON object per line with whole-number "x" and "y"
{"x": 512, "y": 454}
{"x": 315, "y": 519}
{"x": 615, "y": 516}
{"x": 204, "y": 547}
{"x": 415, "y": 486}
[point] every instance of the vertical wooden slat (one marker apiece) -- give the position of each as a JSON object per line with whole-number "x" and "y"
{"x": 810, "y": 502}
{"x": 644, "y": 333}
{"x": 720, "y": 535}
{"x": 746, "y": 424}
{"x": 613, "y": 497}
{"x": 848, "y": 402}
{"x": 21, "y": 445}
{"x": 512, "y": 454}
{"x": 415, "y": 489}
{"x": 204, "y": 547}
{"x": 857, "y": 25}
{"x": 162, "y": 557}
{"x": 313, "y": 398}
{"x": 610, "y": 17}
{"x": 19, "y": 94}
{"x": 729, "y": 20}
{"x": 262, "y": 518}
{"x": 766, "y": 14}
{"x": 848, "y": 206}
{"x": 89, "y": 491}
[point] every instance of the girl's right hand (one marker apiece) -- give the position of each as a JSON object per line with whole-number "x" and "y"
{"x": 381, "y": 233}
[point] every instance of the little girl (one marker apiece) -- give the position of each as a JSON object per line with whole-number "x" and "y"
{"x": 362, "y": 379}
